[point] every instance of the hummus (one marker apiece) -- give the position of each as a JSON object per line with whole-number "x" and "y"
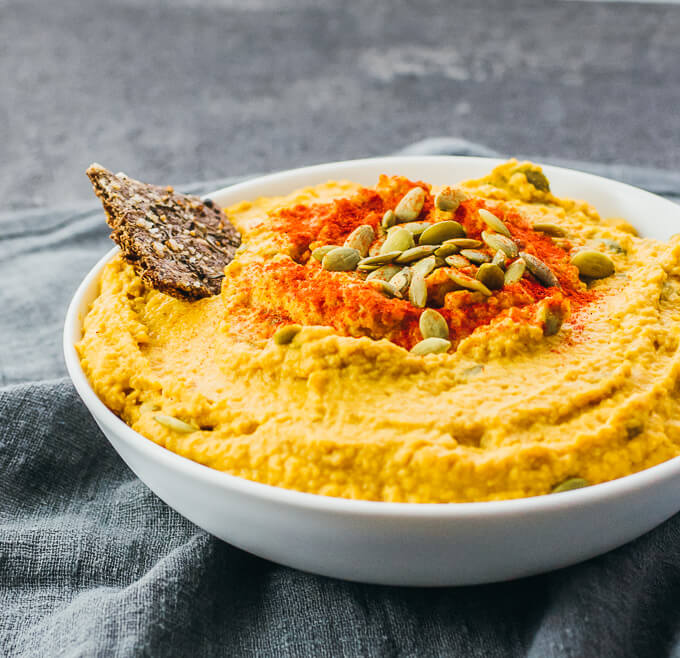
{"x": 541, "y": 381}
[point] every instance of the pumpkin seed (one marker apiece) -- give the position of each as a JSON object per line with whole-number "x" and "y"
{"x": 464, "y": 243}
{"x": 612, "y": 245}
{"x": 593, "y": 264}
{"x": 515, "y": 271}
{"x": 175, "y": 424}
{"x": 417, "y": 291}
{"x": 397, "y": 240}
{"x": 538, "y": 180}
{"x": 415, "y": 253}
{"x": 320, "y": 252}
{"x": 449, "y": 199}
{"x": 284, "y": 335}
{"x": 431, "y": 346}
{"x": 360, "y": 239}
{"x": 540, "y": 270}
{"x": 457, "y": 261}
{"x": 474, "y": 256}
{"x": 439, "y": 262}
{"x": 500, "y": 242}
{"x": 341, "y": 259}
{"x": 446, "y": 250}
{"x": 550, "y": 229}
{"x": 473, "y": 370}
{"x": 410, "y": 205}
{"x": 381, "y": 259}
{"x": 384, "y": 273}
{"x": 552, "y": 322}
{"x": 571, "y": 484}
{"x": 415, "y": 228}
{"x": 424, "y": 266}
{"x": 494, "y": 223}
{"x": 384, "y": 287}
{"x": 441, "y": 231}
{"x": 491, "y": 276}
{"x": 467, "y": 282}
{"x": 401, "y": 280}
{"x": 499, "y": 259}
{"x": 433, "y": 325}
{"x": 388, "y": 219}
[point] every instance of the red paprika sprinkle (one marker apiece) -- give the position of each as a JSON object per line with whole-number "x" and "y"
{"x": 262, "y": 295}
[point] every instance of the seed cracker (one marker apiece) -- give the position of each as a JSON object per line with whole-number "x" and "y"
{"x": 177, "y": 243}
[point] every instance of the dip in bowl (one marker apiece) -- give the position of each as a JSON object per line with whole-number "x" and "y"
{"x": 544, "y": 384}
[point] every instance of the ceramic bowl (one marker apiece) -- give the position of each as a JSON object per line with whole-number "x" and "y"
{"x": 401, "y": 543}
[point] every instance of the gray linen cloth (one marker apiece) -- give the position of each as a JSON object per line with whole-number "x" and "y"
{"x": 93, "y": 564}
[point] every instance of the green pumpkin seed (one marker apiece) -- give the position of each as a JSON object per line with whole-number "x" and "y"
{"x": 388, "y": 219}
{"x": 538, "y": 180}
{"x": 441, "y": 231}
{"x": 431, "y": 346}
{"x": 550, "y": 229}
{"x": 468, "y": 283}
{"x": 473, "y": 370}
{"x": 515, "y": 271}
{"x": 446, "y": 250}
{"x": 384, "y": 273}
{"x": 417, "y": 291}
{"x": 320, "y": 252}
{"x": 397, "y": 240}
{"x": 401, "y": 280}
{"x": 433, "y": 325}
{"x": 540, "y": 270}
{"x": 284, "y": 335}
{"x": 360, "y": 239}
{"x": 571, "y": 484}
{"x": 500, "y": 243}
{"x": 381, "y": 259}
{"x": 491, "y": 276}
{"x": 416, "y": 253}
{"x": 457, "y": 261}
{"x": 593, "y": 264}
{"x": 341, "y": 259}
{"x": 499, "y": 259}
{"x": 410, "y": 205}
{"x": 494, "y": 223}
{"x": 474, "y": 256}
{"x": 612, "y": 245}
{"x": 448, "y": 200}
{"x": 415, "y": 228}
{"x": 464, "y": 243}
{"x": 384, "y": 287}
{"x": 425, "y": 266}
{"x": 174, "y": 424}
{"x": 552, "y": 321}
{"x": 439, "y": 262}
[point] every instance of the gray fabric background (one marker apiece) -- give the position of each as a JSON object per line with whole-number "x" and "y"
{"x": 93, "y": 564}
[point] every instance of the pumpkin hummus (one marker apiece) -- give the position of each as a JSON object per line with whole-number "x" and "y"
{"x": 524, "y": 344}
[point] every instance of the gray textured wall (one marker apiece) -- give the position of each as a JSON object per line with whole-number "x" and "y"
{"x": 186, "y": 90}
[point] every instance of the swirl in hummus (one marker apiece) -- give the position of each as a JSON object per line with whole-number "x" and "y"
{"x": 547, "y": 358}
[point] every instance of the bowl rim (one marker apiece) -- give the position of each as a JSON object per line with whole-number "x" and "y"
{"x": 593, "y": 494}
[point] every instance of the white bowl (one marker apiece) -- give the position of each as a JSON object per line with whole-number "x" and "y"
{"x": 401, "y": 543}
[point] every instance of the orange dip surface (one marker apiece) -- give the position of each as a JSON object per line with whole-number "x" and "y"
{"x": 304, "y": 377}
